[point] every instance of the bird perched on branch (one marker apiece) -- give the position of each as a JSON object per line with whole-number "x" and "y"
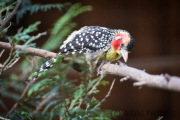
{"x": 94, "y": 41}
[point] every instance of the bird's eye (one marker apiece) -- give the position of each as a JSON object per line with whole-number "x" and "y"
{"x": 122, "y": 45}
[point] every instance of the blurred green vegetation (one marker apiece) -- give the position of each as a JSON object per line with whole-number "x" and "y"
{"x": 53, "y": 95}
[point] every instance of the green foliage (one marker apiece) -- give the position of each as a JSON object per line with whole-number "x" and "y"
{"x": 24, "y": 36}
{"x": 14, "y": 81}
{"x": 68, "y": 100}
{"x": 21, "y": 36}
{"x": 27, "y": 6}
{"x": 19, "y": 115}
{"x": 5, "y": 9}
{"x": 53, "y": 95}
{"x": 64, "y": 26}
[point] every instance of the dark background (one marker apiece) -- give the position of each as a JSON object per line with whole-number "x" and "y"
{"x": 155, "y": 25}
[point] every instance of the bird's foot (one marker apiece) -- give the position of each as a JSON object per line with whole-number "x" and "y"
{"x": 121, "y": 63}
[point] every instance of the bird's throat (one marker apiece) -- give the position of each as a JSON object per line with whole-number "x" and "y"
{"x": 112, "y": 55}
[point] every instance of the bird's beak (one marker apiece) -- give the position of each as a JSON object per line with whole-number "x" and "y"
{"x": 124, "y": 54}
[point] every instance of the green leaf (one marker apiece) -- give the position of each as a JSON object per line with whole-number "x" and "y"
{"x": 31, "y": 28}
{"x": 104, "y": 82}
{"x": 91, "y": 83}
{"x": 95, "y": 91}
{"x": 79, "y": 92}
{"x": 13, "y": 77}
{"x": 24, "y": 38}
{"x": 23, "y": 114}
{"x": 94, "y": 101}
{"x": 24, "y": 65}
{"x": 37, "y": 86}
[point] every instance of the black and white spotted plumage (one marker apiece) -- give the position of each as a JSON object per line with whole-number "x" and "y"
{"x": 87, "y": 40}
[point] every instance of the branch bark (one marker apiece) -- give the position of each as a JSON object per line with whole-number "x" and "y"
{"x": 142, "y": 78}
{"x": 30, "y": 50}
{"x": 139, "y": 76}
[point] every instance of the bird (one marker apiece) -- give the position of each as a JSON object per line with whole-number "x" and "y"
{"x": 93, "y": 41}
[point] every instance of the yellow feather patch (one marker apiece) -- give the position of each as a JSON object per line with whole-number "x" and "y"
{"x": 112, "y": 55}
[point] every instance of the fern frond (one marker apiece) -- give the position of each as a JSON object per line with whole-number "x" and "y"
{"x": 18, "y": 86}
{"x": 64, "y": 26}
{"x": 2, "y": 104}
{"x": 10, "y": 95}
{"x": 37, "y": 7}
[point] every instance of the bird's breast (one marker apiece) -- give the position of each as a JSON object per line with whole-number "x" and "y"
{"x": 112, "y": 55}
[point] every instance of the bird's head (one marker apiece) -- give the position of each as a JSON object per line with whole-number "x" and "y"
{"x": 122, "y": 43}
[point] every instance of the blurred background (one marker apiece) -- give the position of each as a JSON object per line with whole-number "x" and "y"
{"x": 155, "y": 25}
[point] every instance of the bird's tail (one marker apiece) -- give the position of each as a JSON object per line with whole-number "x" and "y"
{"x": 48, "y": 64}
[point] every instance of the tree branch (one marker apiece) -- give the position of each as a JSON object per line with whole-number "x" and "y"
{"x": 141, "y": 77}
{"x": 30, "y": 50}
{"x": 160, "y": 81}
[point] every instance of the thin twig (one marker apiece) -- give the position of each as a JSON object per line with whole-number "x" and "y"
{"x": 61, "y": 118}
{"x": 35, "y": 37}
{"x": 10, "y": 55}
{"x": 14, "y": 62}
{"x": 26, "y": 72}
{"x": 43, "y": 103}
{"x": 1, "y": 65}
{"x": 94, "y": 87}
{"x": 11, "y": 15}
{"x": 97, "y": 83}
{"x": 19, "y": 30}
{"x": 1, "y": 118}
{"x": 8, "y": 26}
{"x": 22, "y": 95}
{"x": 107, "y": 95}
{"x": 2, "y": 52}
{"x": 80, "y": 102}
{"x": 8, "y": 59}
